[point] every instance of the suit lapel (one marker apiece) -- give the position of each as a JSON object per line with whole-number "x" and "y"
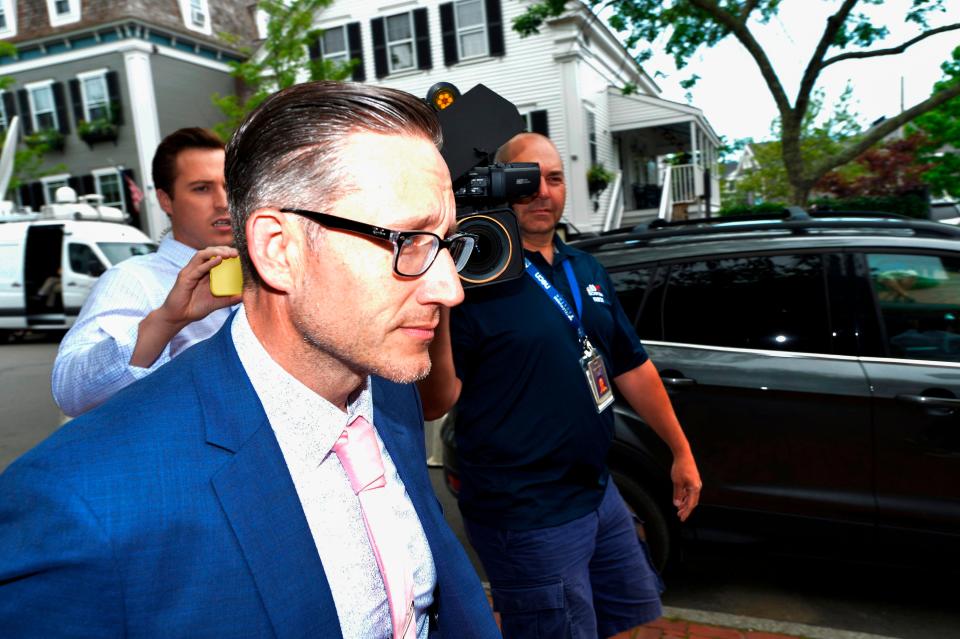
{"x": 260, "y": 501}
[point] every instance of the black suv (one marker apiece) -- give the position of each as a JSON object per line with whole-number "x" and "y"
{"x": 815, "y": 366}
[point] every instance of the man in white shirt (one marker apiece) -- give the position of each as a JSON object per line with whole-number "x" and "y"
{"x": 270, "y": 482}
{"x": 150, "y": 308}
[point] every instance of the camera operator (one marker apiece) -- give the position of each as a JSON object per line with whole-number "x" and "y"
{"x": 530, "y": 376}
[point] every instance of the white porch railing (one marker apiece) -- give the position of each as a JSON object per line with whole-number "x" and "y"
{"x": 683, "y": 184}
{"x": 614, "y": 214}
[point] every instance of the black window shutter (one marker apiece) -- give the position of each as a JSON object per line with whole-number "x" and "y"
{"x": 26, "y": 196}
{"x": 77, "y": 100}
{"x": 113, "y": 90}
{"x": 355, "y": 43}
{"x": 38, "y": 194}
{"x": 538, "y": 123}
{"x": 314, "y": 48}
{"x": 61, "y": 105}
{"x": 9, "y": 106}
{"x": 448, "y": 34}
{"x": 421, "y": 31}
{"x": 495, "y": 28}
{"x": 380, "y": 68}
{"x": 25, "y": 120}
{"x": 74, "y": 183}
{"x": 88, "y": 184}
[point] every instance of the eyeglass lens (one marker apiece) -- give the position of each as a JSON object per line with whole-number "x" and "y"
{"x": 417, "y": 252}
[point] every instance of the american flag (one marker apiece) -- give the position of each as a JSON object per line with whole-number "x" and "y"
{"x": 136, "y": 195}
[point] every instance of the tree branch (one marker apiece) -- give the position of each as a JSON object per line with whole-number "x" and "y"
{"x": 891, "y": 51}
{"x": 815, "y": 65}
{"x": 877, "y": 133}
{"x": 747, "y": 9}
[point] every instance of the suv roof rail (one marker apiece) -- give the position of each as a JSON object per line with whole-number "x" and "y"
{"x": 794, "y": 219}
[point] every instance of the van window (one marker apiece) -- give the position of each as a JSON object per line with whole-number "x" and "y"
{"x": 84, "y": 261}
{"x": 117, "y": 252}
{"x": 919, "y": 300}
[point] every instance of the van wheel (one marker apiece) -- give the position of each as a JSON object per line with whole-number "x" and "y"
{"x": 651, "y": 524}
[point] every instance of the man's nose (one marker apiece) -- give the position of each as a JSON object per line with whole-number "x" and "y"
{"x": 441, "y": 284}
{"x": 220, "y": 196}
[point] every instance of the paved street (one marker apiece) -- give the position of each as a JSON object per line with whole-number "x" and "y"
{"x": 827, "y": 597}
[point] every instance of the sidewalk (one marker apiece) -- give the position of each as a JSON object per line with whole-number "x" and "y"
{"x": 667, "y": 628}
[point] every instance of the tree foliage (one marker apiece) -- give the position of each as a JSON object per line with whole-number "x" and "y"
{"x": 281, "y": 60}
{"x": 941, "y": 126}
{"x": 848, "y": 34}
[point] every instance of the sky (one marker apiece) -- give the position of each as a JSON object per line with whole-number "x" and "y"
{"x": 737, "y": 102}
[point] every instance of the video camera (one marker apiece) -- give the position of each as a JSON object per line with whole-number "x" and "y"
{"x": 475, "y": 125}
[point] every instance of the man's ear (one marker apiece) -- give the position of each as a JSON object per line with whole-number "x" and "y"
{"x": 272, "y": 246}
{"x": 166, "y": 202}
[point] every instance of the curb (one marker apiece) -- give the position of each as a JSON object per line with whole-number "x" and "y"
{"x": 766, "y": 625}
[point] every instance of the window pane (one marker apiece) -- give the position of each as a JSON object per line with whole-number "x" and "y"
{"x": 46, "y": 121}
{"x": 473, "y": 44}
{"x": 764, "y": 302}
{"x": 116, "y": 252}
{"x": 469, "y": 13}
{"x": 631, "y": 287}
{"x": 43, "y": 99}
{"x": 84, "y": 260}
{"x": 51, "y": 189}
{"x": 334, "y": 41}
{"x": 401, "y": 56}
{"x": 95, "y": 90}
{"x": 919, "y": 298}
{"x": 398, "y": 27}
{"x": 62, "y": 6}
{"x": 108, "y": 185}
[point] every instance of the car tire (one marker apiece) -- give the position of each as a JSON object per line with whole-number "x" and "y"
{"x": 651, "y": 524}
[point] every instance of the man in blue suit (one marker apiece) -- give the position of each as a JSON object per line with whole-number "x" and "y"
{"x": 209, "y": 499}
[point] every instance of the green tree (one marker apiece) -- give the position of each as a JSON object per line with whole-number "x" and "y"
{"x": 941, "y": 127}
{"x": 281, "y": 60}
{"x": 847, "y": 35}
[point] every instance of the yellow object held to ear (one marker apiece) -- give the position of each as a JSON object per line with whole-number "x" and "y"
{"x": 226, "y": 278}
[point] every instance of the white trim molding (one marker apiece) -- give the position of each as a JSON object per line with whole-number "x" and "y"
{"x": 146, "y": 127}
{"x": 59, "y": 18}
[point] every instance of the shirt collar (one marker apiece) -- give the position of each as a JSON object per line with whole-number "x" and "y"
{"x": 561, "y": 252}
{"x": 297, "y": 414}
{"x": 176, "y": 252}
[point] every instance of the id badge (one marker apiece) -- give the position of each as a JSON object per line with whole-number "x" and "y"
{"x": 597, "y": 379}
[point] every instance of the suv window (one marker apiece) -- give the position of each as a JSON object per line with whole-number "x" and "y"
{"x": 919, "y": 301}
{"x": 772, "y": 302}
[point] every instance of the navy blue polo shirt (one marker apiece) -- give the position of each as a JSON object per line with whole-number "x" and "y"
{"x": 531, "y": 447}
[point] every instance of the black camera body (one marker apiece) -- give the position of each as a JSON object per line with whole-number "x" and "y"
{"x": 474, "y": 126}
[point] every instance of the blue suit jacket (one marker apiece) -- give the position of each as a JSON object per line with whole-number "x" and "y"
{"x": 169, "y": 512}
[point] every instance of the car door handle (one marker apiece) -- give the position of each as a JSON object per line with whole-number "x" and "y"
{"x": 678, "y": 381}
{"x": 71, "y": 283}
{"x": 15, "y": 284}
{"x": 926, "y": 400}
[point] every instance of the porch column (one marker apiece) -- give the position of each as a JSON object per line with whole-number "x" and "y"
{"x": 577, "y": 160}
{"x": 146, "y": 128}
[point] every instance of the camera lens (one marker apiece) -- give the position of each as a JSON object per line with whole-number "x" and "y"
{"x": 492, "y": 252}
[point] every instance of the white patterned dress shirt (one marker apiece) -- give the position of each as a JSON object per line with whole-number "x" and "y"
{"x": 307, "y": 426}
{"x": 93, "y": 361}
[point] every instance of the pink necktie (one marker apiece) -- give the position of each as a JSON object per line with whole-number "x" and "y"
{"x": 359, "y": 454}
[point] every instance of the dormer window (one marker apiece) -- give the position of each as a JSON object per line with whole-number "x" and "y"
{"x": 63, "y": 12}
{"x": 8, "y": 19}
{"x": 196, "y": 15}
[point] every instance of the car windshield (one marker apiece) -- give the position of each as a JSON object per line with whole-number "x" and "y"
{"x": 117, "y": 252}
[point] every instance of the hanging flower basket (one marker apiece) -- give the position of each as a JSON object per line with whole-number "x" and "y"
{"x": 46, "y": 139}
{"x": 99, "y": 130}
{"x": 598, "y": 178}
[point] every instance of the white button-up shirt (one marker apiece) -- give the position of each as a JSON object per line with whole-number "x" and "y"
{"x": 93, "y": 361}
{"x": 307, "y": 426}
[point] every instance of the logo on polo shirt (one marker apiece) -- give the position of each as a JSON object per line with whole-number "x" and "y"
{"x": 593, "y": 290}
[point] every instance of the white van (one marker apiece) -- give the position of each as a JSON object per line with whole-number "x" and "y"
{"x": 47, "y": 268}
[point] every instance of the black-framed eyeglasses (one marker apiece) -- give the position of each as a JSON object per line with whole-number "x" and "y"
{"x": 413, "y": 251}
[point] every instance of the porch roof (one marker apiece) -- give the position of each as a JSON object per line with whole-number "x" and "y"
{"x": 633, "y": 112}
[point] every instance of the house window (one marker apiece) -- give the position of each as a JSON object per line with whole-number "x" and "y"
{"x": 43, "y": 109}
{"x": 8, "y": 19}
{"x": 592, "y": 135}
{"x": 198, "y": 13}
{"x": 50, "y": 185}
{"x": 3, "y": 112}
{"x": 471, "y": 28}
{"x": 96, "y": 101}
{"x": 401, "y": 52}
{"x": 63, "y": 11}
{"x": 334, "y": 46}
{"x": 107, "y": 183}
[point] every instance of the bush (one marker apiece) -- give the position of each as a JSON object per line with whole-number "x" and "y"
{"x": 758, "y": 209}
{"x": 911, "y": 205}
